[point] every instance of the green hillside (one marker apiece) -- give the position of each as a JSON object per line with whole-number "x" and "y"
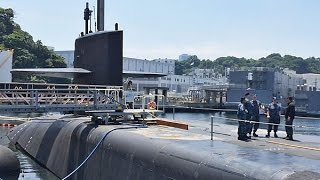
{"x": 309, "y": 65}
{"x": 27, "y": 52}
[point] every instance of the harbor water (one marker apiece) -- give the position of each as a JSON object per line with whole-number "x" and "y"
{"x": 32, "y": 170}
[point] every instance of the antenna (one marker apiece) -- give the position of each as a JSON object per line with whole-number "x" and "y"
{"x": 100, "y": 15}
{"x": 90, "y": 31}
{"x": 94, "y": 18}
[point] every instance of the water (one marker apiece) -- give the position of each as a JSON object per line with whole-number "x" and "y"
{"x": 30, "y": 170}
{"x": 306, "y": 126}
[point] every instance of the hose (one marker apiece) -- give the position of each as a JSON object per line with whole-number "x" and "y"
{"x": 96, "y": 147}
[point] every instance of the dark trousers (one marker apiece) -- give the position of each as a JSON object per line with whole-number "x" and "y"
{"x": 255, "y": 126}
{"x": 248, "y": 127}
{"x": 275, "y": 127}
{"x": 289, "y": 129}
{"x": 242, "y": 130}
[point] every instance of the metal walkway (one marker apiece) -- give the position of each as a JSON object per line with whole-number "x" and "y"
{"x": 32, "y": 97}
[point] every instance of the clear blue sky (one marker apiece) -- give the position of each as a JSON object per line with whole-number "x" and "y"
{"x": 168, "y": 28}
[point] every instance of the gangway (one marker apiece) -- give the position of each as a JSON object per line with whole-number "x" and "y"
{"x": 41, "y": 97}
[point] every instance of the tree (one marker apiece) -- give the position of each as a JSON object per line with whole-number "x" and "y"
{"x": 27, "y": 53}
{"x": 275, "y": 60}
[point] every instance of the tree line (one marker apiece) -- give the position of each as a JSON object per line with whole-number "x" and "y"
{"x": 275, "y": 60}
{"x": 27, "y": 52}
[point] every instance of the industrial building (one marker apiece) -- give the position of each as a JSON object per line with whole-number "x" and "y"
{"x": 175, "y": 83}
{"x": 184, "y": 57}
{"x": 265, "y": 82}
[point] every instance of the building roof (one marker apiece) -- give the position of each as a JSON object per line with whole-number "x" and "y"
{"x": 137, "y": 74}
{"x": 52, "y": 72}
{"x": 70, "y": 72}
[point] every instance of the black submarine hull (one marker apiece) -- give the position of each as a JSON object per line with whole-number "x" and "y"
{"x": 62, "y": 145}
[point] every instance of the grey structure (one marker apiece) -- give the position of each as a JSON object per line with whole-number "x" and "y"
{"x": 265, "y": 82}
{"x": 307, "y": 101}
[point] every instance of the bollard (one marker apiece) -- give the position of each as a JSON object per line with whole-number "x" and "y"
{"x": 173, "y": 111}
{"x": 211, "y": 128}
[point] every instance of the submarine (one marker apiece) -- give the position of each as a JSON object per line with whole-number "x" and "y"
{"x": 77, "y": 147}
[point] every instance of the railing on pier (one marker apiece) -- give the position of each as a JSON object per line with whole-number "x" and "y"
{"x": 28, "y": 97}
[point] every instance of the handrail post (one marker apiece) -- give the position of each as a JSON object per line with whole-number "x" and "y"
{"x": 211, "y": 128}
{"x": 173, "y": 111}
{"x": 95, "y": 100}
{"x": 37, "y": 98}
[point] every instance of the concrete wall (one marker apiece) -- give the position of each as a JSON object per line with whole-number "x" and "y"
{"x": 310, "y": 100}
{"x": 260, "y": 79}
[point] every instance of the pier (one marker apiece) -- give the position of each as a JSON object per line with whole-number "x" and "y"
{"x": 33, "y": 97}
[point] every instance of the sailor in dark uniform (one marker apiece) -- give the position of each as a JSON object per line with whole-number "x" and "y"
{"x": 242, "y": 115}
{"x": 289, "y": 116}
{"x": 273, "y": 115}
{"x": 255, "y": 115}
{"x": 248, "y": 107}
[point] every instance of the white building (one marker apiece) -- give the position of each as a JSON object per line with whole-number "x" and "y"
{"x": 311, "y": 80}
{"x": 6, "y": 65}
{"x": 175, "y": 83}
{"x": 164, "y": 66}
{"x": 68, "y": 56}
{"x": 184, "y": 57}
{"x": 207, "y": 77}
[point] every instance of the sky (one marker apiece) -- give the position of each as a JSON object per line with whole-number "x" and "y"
{"x": 167, "y": 28}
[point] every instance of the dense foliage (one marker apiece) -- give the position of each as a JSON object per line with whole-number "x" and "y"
{"x": 309, "y": 65}
{"x": 27, "y": 53}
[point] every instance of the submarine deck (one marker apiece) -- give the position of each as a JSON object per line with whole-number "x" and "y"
{"x": 260, "y": 158}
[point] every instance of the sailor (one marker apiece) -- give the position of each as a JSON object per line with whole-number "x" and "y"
{"x": 273, "y": 115}
{"x": 289, "y": 116}
{"x": 242, "y": 115}
{"x": 129, "y": 95}
{"x": 248, "y": 106}
{"x": 255, "y": 115}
